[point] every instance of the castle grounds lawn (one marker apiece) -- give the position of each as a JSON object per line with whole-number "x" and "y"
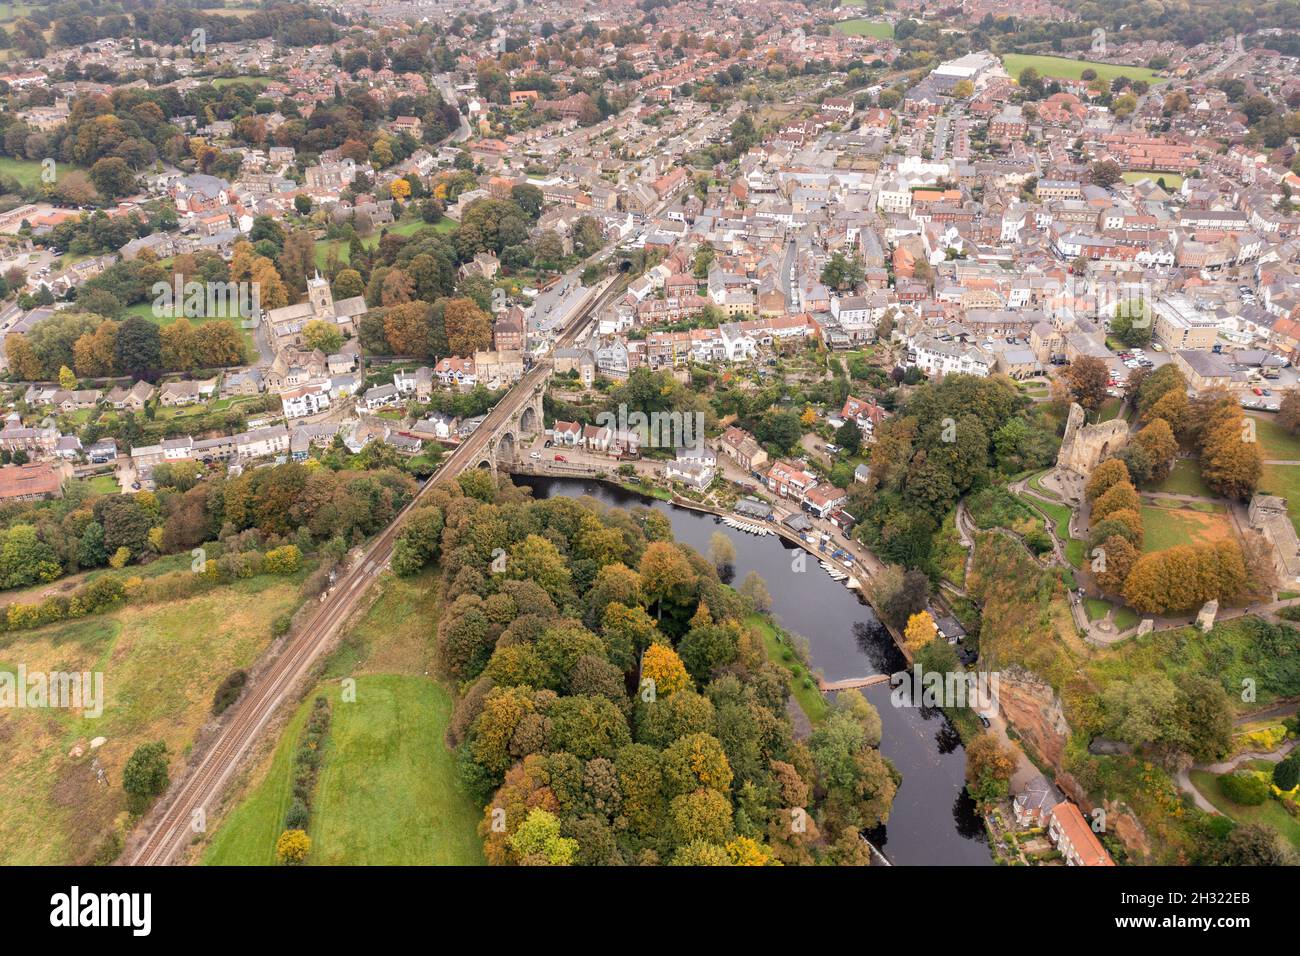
{"x": 1275, "y": 444}
{"x": 1167, "y": 527}
{"x": 1283, "y": 480}
{"x": 1110, "y": 409}
{"x": 1096, "y": 608}
{"x": 1125, "y": 617}
{"x": 1185, "y": 479}
{"x": 1067, "y": 69}
{"x": 1270, "y": 812}
{"x": 866, "y": 28}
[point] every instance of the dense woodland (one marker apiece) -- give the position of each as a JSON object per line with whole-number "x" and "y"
{"x": 614, "y": 708}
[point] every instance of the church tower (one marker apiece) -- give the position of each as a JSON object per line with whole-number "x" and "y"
{"x": 322, "y": 300}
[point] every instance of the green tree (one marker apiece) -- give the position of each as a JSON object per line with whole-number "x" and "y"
{"x": 145, "y": 774}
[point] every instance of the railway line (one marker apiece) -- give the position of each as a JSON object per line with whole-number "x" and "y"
{"x": 191, "y": 800}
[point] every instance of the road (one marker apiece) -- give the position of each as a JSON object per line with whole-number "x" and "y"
{"x": 170, "y": 829}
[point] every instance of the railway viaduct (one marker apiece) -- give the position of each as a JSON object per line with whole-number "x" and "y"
{"x": 526, "y": 421}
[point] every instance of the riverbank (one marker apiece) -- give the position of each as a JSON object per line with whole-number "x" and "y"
{"x": 933, "y": 820}
{"x": 865, "y": 564}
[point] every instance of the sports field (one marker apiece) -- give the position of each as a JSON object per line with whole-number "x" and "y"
{"x": 1063, "y": 68}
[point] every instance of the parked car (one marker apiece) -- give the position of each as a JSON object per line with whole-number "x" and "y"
{"x": 984, "y": 720}
{"x": 560, "y": 458}
{"x": 536, "y": 456}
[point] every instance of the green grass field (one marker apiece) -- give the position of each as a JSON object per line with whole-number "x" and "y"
{"x": 1274, "y": 441}
{"x": 1185, "y": 479}
{"x": 1065, "y": 68}
{"x": 407, "y": 228}
{"x": 1167, "y": 527}
{"x": 1270, "y": 812}
{"x": 248, "y": 835}
{"x": 810, "y": 699}
{"x": 102, "y": 484}
{"x": 161, "y": 664}
{"x": 866, "y": 28}
{"x": 1172, "y": 180}
{"x": 16, "y": 11}
{"x": 146, "y": 310}
{"x": 389, "y": 793}
{"x": 26, "y": 171}
{"x": 1110, "y": 409}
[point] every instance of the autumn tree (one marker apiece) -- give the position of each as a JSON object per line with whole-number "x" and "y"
{"x": 920, "y": 630}
{"x": 989, "y": 766}
{"x": 348, "y": 284}
{"x": 319, "y": 334}
{"x": 668, "y": 582}
{"x": 1157, "y": 439}
{"x": 1106, "y": 475}
{"x": 22, "y": 360}
{"x": 1113, "y": 558}
{"x": 469, "y": 328}
{"x": 1121, "y": 496}
{"x": 721, "y": 552}
{"x": 1172, "y": 407}
{"x": 754, "y": 589}
{"x": 1231, "y": 462}
{"x": 661, "y": 665}
{"x": 1088, "y": 378}
{"x": 292, "y": 847}
{"x": 271, "y": 292}
{"x": 1288, "y": 413}
{"x": 407, "y": 327}
{"x": 1186, "y": 576}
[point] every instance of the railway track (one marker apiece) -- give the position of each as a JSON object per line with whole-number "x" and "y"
{"x": 186, "y": 812}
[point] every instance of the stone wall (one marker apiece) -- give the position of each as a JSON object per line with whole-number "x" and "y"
{"x": 1086, "y": 446}
{"x": 1033, "y": 709}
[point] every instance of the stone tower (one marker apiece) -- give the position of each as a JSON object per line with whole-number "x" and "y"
{"x": 320, "y": 297}
{"x": 1085, "y": 446}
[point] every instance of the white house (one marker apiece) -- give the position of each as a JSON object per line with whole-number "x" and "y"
{"x": 308, "y": 400}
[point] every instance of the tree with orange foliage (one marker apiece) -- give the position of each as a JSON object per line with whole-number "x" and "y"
{"x": 661, "y": 665}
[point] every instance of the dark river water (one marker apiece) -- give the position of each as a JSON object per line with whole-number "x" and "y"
{"x": 933, "y": 821}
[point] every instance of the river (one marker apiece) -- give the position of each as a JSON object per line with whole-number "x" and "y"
{"x": 933, "y": 821}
